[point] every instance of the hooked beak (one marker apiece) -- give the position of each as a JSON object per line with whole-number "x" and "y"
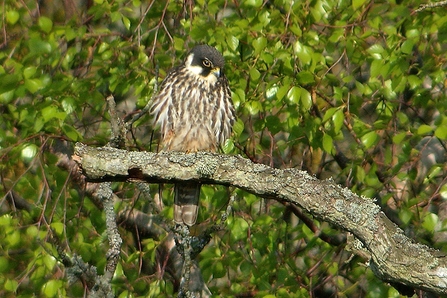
{"x": 216, "y": 71}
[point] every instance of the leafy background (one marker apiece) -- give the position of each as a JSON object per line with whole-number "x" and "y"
{"x": 353, "y": 90}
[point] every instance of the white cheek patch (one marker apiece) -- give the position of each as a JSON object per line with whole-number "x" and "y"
{"x": 194, "y": 69}
{"x": 197, "y": 70}
{"x": 189, "y": 60}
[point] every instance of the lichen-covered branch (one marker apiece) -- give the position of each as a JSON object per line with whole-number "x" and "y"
{"x": 430, "y": 5}
{"x": 394, "y": 257}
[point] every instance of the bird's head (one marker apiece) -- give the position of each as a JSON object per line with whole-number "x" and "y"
{"x": 206, "y": 62}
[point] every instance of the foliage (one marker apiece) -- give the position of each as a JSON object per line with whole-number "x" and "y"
{"x": 353, "y": 90}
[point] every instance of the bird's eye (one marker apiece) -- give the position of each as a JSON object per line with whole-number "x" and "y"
{"x": 206, "y": 63}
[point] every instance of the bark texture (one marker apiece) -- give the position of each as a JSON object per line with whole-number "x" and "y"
{"x": 394, "y": 257}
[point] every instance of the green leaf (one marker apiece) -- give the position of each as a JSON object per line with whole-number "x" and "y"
{"x": 69, "y": 105}
{"x": 105, "y": 56}
{"x": 28, "y": 152}
{"x": 356, "y": 4}
{"x": 253, "y": 107}
{"x": 254, "y": 3}
{"x": 282, "y": 91}
{"x": 219, "y": 270}
{"x": 51, "y": 288}
{"x": 376, "y": 51}
{"x": 70, "y": 33}
{"x": 304, "y": 53}
{"x": 32, "y": 231}
{"x": 126, "y": 22}
{"x": 28, "y": 72}
{"x": 430, "y": 221}
{"x": 13, "y": 239}
{"x": 9, "y": 82}
{"x": 443, "y": 191}
{"x": 338, "y": 119}
{"x": 328, "y": 114}
{"x": 255, "y": 74}
{"x": 305, "y": 99}
{"x": 6, "y": 97}
{"x": 232, "y": 42}
{"x": 45, "y": 24}
{"x": 328, "y": 144}
{"x": 305, "y": 78}
{"x": 238, "y": 127}
{"x": 238, "y": 229}
{"x": 103, "y": 47}
{"x": 48, "y": 113}
{"x": 39, "y": 47}
{"x": 378, "y": 68}
{"x": 228, "y": 146}
{"x": 271, "y": 92}
{"x": 294, "y": 94}
{"x": 424, "y": 129}
{"x": 398, "y": 138}
{"x": 12, "y": 16}
{"x": 407, "y": 46}
{"x": 33, "y": 85}
{"x": 238, "y": 97}
{"x": 369, "y": 139}
{"x": 49, "y": 261}
{"x": 58, "y": 227}
{"x": 11, "y": 285}
{"x": 441, "y": 132}
{"x": 405, "y": 216}
{"x": 259, "y": 45}
{"x": 4, "y": 264}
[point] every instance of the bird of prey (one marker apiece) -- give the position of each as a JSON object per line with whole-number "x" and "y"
{"x": 195, "y": 113}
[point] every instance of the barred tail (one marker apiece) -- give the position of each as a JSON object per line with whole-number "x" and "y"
{"x": 186, "y": 202}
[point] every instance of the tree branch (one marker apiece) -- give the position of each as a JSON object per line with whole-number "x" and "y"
{"x": 394, "y": 257}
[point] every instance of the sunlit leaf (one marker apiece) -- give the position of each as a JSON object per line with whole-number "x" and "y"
{"x": 407, "y": 46}
{"x": 232, "y": 42}
{"x": 424, "y": 129}
{"x": 429, "y": 222}
{"x": 51, "y": 287}
{"x": 238, "y": 127}
{"x": 305, "y": 99}
{"x": 11, "y": 285}
{"x": 254, "y": 3}
{"x": 33, "y": 85}
{"x": 228, "y": 146}
{"x": 255, "y": 74}
{"x": 303, "y": 52}
{"x": 29, "y": 151}
{"x": 441, "y": 132}
{"x": 238, "y": 228}
{"x": 45, "y": 24}
{"x": 398, "y": 138}
{"x": 328, "y": 144}
{"x": 126, "y": 22}
{"x": 369, "y": 139}
{"x": 328, "y": 114}
{"x": 12, "y": 16}
{"x": 338, "y": 119}
{"x": 39, "y": 47}
{"x": 294, "y": 94}
{"x": 357, "y": 3}
{"x": 259, "y": 45}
